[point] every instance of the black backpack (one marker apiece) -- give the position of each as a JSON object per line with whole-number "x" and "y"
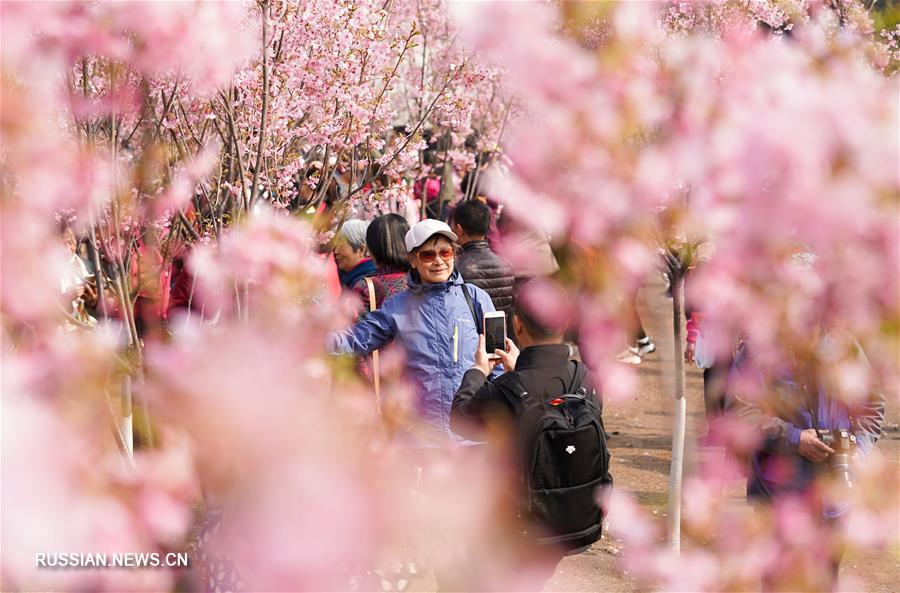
{"x": 565, "y": 461}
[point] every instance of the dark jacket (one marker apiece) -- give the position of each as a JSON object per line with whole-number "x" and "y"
{"x": 544, "y": 370}
{"x": 488, "y": 271}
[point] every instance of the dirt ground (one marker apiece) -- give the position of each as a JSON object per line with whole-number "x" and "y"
{"x": 640, "y": 443}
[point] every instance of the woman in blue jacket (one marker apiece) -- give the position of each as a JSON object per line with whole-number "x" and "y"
{"x": 433, "y": 322}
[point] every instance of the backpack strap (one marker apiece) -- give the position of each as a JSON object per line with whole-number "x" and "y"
{"x": 465, "y": 289}
{"x": 511, "y": 386}
{"x": 375, "y": 375}
{"x": 579, "y": 372}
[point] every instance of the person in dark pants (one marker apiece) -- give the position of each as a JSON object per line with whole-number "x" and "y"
{"x": 481, "y": 410}
{"x": 716, "y": 367}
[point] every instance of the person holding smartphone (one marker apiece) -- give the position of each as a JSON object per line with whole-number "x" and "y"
{"x": 486, "y": 408}
{"x": 437, "y": 322}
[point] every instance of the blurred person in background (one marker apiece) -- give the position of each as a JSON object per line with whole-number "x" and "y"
{"x": 477, "y": 262}
{"x": 350, "y": 253}
{"x": 86, "y": 254}
{"x": 472, "y": 186}
{"x": 809, "y": 435}
{"x": 76, "y": 285}
{"x": 385, "y": 239}
{"x": 641, "y": 344}
{"x": 527, "y": 246}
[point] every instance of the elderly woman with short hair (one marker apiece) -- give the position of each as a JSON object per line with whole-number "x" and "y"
{"x": 350, "y": 253}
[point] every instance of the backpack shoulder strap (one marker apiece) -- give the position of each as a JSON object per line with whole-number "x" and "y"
{"x": 579, "y": 372}
{"x": 375, "y": 358}
{"x": 465, "y": 289}
{"x": 371, "y": 286}
{"x": 511, "y": 386}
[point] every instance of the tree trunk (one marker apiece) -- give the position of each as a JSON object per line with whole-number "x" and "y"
{"x": 447, "y": 192}
{"x": 126, "y": 418}
{"x": 677, "y": 466}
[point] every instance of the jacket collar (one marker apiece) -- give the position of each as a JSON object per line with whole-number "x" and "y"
{"x": 545, "y": 355}
{"x": 365, "y": 267}
{"x": 416, "y": 285}
{"x": 476, "y": 245}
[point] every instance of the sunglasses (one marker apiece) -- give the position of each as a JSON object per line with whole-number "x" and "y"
{"x": 428, "y": 256}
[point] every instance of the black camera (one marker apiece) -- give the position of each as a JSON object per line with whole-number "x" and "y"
{"x": 839, "y": 463}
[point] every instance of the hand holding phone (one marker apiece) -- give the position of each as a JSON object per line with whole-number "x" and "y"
{"x": 494, "y": 332}
{"x": 508, "y": 356}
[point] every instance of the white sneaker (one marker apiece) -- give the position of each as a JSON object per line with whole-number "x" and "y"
{"x": 645, "y": 347}
{"x": 629, "y": 356}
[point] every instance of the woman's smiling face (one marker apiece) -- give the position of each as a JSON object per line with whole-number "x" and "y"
{"x": 434, "y": 260}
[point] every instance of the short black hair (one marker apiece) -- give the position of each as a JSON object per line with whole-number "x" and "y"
{"x": 539, "y": 323}
{"x": 535, "y": 328}
{"x": 474, "y": 217}
{"x": 386, "y": 239}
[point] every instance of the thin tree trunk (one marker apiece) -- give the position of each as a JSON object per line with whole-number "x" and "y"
{"x": 238, "y": 159}
{"x": 254, "y": 188}
{"x": 98, "y": 274}
{"x": 126, "y": 418}
{"x": 409, "y": 137}
{"x": 424, "y": 214}
{"x": 677, "y": 467}
{"x": 447, "y": 189}
{"x": 470, "y": 191}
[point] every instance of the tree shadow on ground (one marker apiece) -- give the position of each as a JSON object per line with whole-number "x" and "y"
{"x": 644, "y": 462}
{"x": 651, "y": 499}
{"x": 698, "y": 414}
{"x": 641, "y": 442}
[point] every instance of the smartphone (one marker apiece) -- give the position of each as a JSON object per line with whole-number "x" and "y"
{"x": 494, "y": 332}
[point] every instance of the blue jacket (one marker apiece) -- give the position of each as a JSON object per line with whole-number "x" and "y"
{"x": 434, "y": 325}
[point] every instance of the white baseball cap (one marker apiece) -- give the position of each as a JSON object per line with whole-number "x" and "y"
{"x": 424, "y": 230}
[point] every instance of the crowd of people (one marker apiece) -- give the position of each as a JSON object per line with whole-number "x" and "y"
{"x": 429, "y": 287}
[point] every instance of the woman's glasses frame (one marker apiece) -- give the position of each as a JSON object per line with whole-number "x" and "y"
{"x": 427, "y": 256}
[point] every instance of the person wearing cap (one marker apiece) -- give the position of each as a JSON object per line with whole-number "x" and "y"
{"x": 434, "y": 324}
